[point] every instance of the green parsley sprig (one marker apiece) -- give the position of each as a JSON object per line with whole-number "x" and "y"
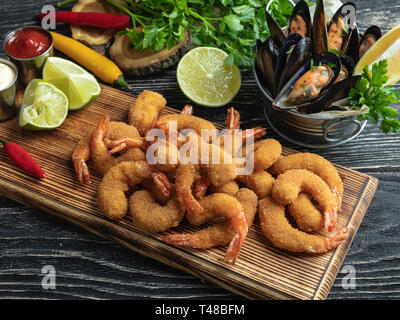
{"x": 372, "y": 92}
{"x": 231, "y": 25}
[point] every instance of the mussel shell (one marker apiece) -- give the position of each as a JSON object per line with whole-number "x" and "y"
{"x": 347, "y": 11}
{"x": 290, "y": 41}
{"x": 372, "y": 30}
{"x": 266, "y": 55}
{"x": 301, "y": 53}
{"x": 325, "y": 58}
{"x": 352, "y": 49}
{"x": 337, "y": 92}
{"x": 301, "y": 9}
{"x": 275, "y": 30}
{"x": 348, "y": 62}
{"x": 319, "y": 32}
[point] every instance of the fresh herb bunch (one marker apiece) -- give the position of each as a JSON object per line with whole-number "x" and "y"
{"x": 232, "y": 25}
{"x": 372, "y": 92}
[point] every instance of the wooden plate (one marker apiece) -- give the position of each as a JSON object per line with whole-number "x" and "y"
{"x": 261, "y": 270}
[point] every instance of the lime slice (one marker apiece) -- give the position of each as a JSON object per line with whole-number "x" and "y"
{"x": 43, "y": 106}
{"x": 387, "y": 47}
{"x": 80, "y": 86}
{"x": 206, "y": 79}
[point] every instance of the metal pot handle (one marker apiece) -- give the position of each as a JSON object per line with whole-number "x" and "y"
{"x": 351, "y": 135}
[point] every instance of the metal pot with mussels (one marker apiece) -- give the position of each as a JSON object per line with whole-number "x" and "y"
{"x": 304, "y": 70}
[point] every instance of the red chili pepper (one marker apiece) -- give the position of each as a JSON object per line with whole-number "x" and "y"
{"x": 94, "y": 19}
{"x": 22, "y": 159}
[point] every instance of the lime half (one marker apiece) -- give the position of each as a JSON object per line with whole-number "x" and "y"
{"x": 79, "y": 86}
{"x": 44, "y": 106}
{"x": 206, "y": 79}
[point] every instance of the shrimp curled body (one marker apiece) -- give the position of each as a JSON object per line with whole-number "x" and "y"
{"x": 225, "y": 206}
{"x": 118, "y": 180}
{"x": 279, "y": 231}
{"x": 149, "y": 216}
{"x": 314, "y": 163}
{"x": 143, "y": 111}
{"x": 101, "y": 159}
{"x": 289, "y": 184}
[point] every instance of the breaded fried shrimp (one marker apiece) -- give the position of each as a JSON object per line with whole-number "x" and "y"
{"x": 308, "y": 218}
{"x": 118, "y": 180}
{"x": 279, "y": 231}
{"x": 266, "y": 153}
{"x": 150, "y": 216}
{"x": 225, "y": 206}
{"x": 102, "y": 160}
{"x": 185, "y": 121}
{"x": 289, "y": 184}
{"x": 314, "y": 163}
{"x": 184, "y": 179}
{"x": 231, "y": 188}
{"x": 221, "y": 233}
{"x": 143, "y": 111}
{"x": 260, "y": 182}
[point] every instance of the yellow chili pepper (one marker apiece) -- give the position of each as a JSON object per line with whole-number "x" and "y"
{"x": 101, "y": 66}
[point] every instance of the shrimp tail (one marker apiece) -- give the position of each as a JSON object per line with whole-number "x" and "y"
{"x": 240, "y": 225}
{"x": 201, "y": 187}
{"x": 332, "y": 241}
{"x": 232, "y": 119}
{"x": 162, "y": 182}
{"x": 330, "y": 219}
{"x": 82, "y": 171}
{"x": 121, "y": 144}
{"x": 336, "y": 238}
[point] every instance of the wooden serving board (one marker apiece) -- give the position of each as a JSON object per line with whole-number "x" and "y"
{"x": 261, "y": 271}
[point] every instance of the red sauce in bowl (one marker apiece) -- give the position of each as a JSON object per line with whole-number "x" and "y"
{"x": 28, "y": 43}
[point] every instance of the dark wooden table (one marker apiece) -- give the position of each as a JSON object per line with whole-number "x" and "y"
{"x": 89, "y": 267}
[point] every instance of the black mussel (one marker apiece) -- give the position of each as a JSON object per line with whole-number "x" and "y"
{"x": 371, "y": 35}
{"x": 352, "y": 49}
{"x": 266, "y": 55}
{"x": 347, "y": 68}
{"x": 310, "y": 82}
{"x": 284, "y": 53}
{"x": 300, "y": 54}
{"x": 339, "y": 91}
{"x": 340, "y": 28}
{"x": 300, "y": 20}
{"x": 275, "y": 30}
{"x": 319, "y": 33}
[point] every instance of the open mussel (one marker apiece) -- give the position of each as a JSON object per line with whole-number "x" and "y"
{"x": 312, "y": 66}
{"x": 300, "y": 20}
{"x": 340, "y": 28}
{"x": 284, "y": 53}
{"x": 338, "y": 92}
{"x": 371, "y": 35}
{"x": 300, "y": 54}
{"x": 309, "y": 83}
